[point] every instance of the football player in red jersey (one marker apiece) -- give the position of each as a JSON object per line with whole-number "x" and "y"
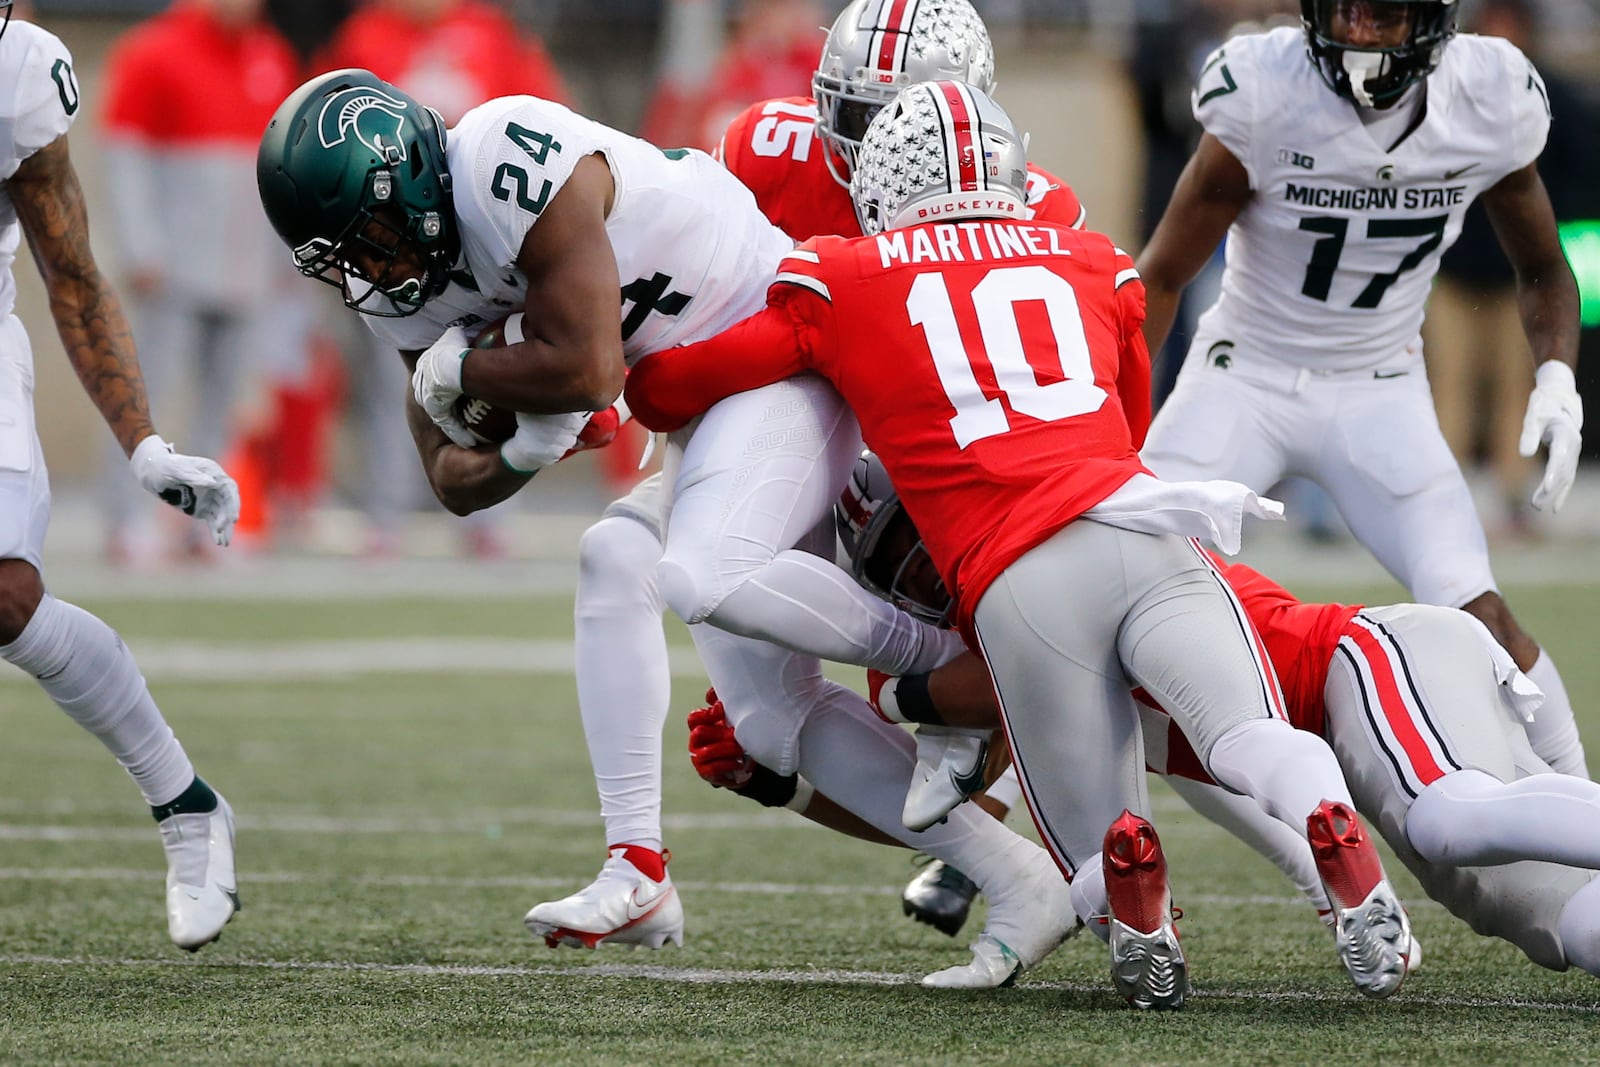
{"x": 1425, "y": 711}
{"x": 985, "y": 357}
{"x": 795, "y": 155}
{"x": 1422, "y": 707}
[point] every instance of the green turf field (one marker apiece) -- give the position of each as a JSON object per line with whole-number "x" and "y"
{"x": 395, "y": 825}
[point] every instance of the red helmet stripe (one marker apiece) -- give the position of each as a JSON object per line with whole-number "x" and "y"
{"x": 969, "y": 155}
{"x": 895, "y": 25}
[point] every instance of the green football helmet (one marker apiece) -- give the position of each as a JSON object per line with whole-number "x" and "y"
{"x": 353, "y": 176}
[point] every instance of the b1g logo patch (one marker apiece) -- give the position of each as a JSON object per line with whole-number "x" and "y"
{"x": 1289, "y": 157}
{"x": 374, "y": 118}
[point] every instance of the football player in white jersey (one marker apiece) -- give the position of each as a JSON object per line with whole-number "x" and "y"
{"x": 1338, "y": 182}
{"x": 79, "y": 661}
{"x": 527, "y": 206}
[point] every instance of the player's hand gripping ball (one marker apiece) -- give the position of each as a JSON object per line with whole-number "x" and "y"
{"x": 493, "y": 425}
{"x": 489, "y": 424}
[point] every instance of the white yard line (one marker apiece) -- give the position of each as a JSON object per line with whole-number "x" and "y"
{"x": 298, "y": 661}
{"x": 723, "y": 976}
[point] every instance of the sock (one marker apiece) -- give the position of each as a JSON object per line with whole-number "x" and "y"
{"x": 1089, "y": 897}
{"x": 1553, "y": 733}
{"x": 1579, "y": 927}
{"x": 1243, "y": 818}
{"x": 809, "y": 605}
{"x": 86, "y": 669}
{"x": 1007, "y": 790}
{"x": 198, "y": 799}
{"x": 649, "y": 861}
{"x": 1470, "y": 818}
{"x": 617, "y": 615}
{"x": 1287, "y": 771}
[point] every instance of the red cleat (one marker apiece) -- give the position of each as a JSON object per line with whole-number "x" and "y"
{"x": 1147, "y": 964}
{"x": 1370, "y": 925}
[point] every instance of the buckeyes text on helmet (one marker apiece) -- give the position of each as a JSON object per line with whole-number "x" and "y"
{"x": 354, "y": 178}
{"x": 941, "y": 150}
{"x": 875, "y": 48}
{"x": 1371, "y": 51}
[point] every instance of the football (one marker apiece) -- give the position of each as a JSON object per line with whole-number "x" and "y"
{"x": 489, "y": 424}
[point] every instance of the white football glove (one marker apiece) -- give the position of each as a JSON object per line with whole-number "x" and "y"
{"x": 192, "y": 484}
{"x": 1555, "y": 418}
{"x": 540, "y": 440}
{"x": 436, "y": 384}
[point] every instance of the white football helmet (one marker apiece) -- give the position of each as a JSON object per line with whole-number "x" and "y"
{"x": 866, "y": 511}
{"x": 875, "y": 48}
{"x": 941, "y": 150}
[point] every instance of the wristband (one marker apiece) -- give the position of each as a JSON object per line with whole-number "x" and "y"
{"x": 912, "y": 702}
{"x": 769, "y": 788}
{"x": 803, "y": 792}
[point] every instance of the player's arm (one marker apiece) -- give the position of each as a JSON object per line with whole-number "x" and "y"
{"x": 1547, "y": 296}
{"x": 88, "y": 315}
{"x": 958, "y": 694}
{"x": 1547, "y": 300}
{"x": 1211, "y": 192}
{"x": 571, "y": 356}
{"x": 1133, "y": 365}
{"x": 464, "y": 479}
{"x": 667, "y": 389}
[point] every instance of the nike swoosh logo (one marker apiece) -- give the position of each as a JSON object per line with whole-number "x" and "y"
{"x": 1457, "y": 173}
{"x": 1385, "y": 375}
{"x": 972, "y": 781}
{"x": 637, "y": 909}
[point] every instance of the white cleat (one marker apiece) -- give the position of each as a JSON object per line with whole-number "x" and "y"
{"x": 1029, "y": 916}
{"x": 202, "y": 889}
{"x": 993, "y": 966}
{"x": 622, "y": 906}
{"x": 950, "y": 764}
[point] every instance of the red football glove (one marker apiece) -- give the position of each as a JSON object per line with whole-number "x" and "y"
{"x": 716, "y": 754}
{"x": 599, "y": 431}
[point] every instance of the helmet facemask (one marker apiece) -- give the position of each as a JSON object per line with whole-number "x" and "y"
{"x": 942, "y": 150}
{"x": 355, "y": 179}
{"x": 1405, "y": 40}
{"x": 381, "y": 264}
{"x": 872, "y": 53}
{"x": 887, "y": 554}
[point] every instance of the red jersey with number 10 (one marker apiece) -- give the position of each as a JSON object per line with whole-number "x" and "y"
{"x": 989, "y": 361}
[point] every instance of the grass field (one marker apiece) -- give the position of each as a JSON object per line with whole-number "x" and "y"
{"x": 398, "y": 816}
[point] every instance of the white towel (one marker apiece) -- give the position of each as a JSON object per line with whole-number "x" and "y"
{"x": 1212, "y": 511}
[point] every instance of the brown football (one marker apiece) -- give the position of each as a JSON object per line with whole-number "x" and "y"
{"x": 489, "y": 424}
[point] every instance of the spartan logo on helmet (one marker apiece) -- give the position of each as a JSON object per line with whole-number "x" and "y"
{"x": 374, "y": 118}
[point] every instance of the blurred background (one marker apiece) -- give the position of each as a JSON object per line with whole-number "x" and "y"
{"x": 271, "y": 375}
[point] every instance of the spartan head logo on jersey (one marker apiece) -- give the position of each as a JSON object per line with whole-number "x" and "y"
{"x": 374, "y": 118}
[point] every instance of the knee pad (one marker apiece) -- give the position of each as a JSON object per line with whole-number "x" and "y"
{"x": 617, "y": 565}
{"x": 691, "y": 593}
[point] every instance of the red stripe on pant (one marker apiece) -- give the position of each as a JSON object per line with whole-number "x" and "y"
{"x": 1392, "y": 702}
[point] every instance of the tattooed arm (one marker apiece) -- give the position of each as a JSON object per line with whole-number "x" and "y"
{"x": 89, "y": 318}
